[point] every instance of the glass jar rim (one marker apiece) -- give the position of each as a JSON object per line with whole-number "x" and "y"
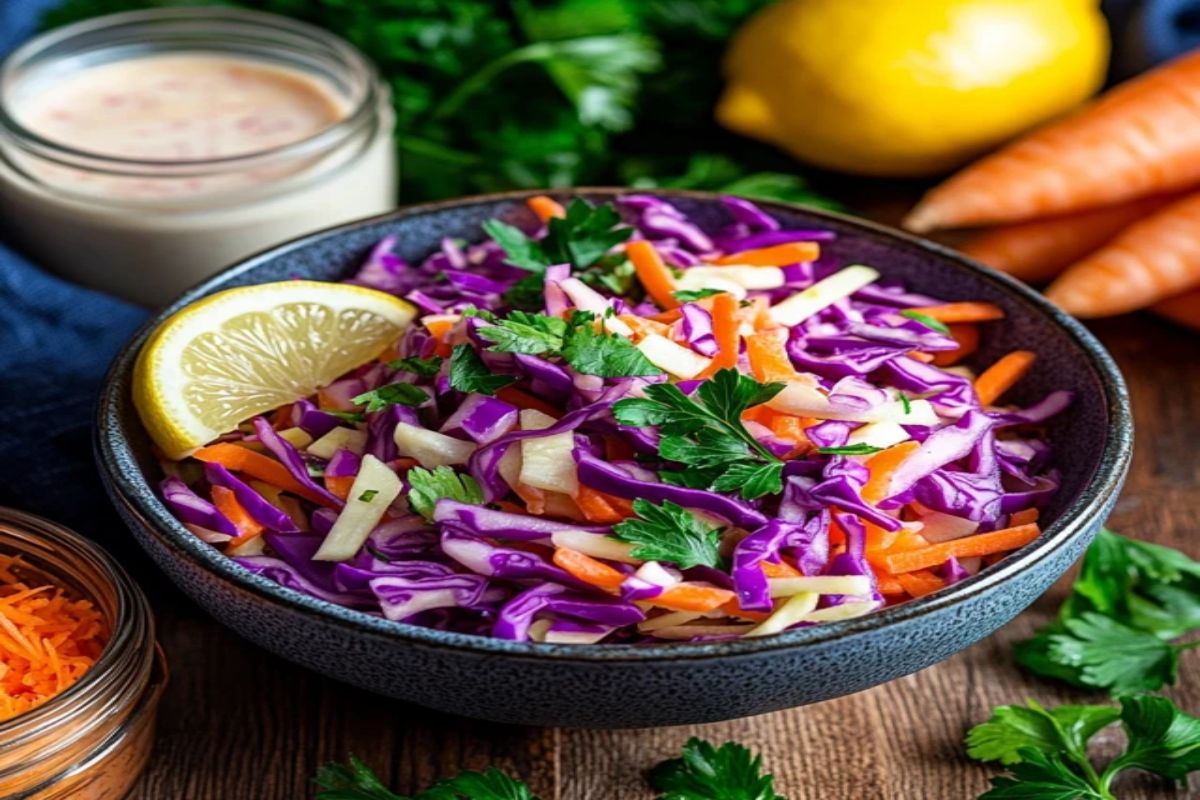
{"x": 131, "y": 620}
{"x": 360, "y": 114}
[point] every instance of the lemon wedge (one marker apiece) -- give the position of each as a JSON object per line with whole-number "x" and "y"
{"x": 245, "y": 351}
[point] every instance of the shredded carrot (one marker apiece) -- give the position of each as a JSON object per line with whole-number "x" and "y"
{"x": 733, "y": 609}
{"x": 780, "y": 569}
{"x": 521, "y": 399}
{"x": 1024, "y": 517}
{"x": 339, "y": 487}
{"x": 967, "y": 337}
{"x": 665, "y": 317}
{"x": 768, "y": 357}
{"x": 225, "y": 501}
{"x": 693, "y": 597}
{"x": 881, "y": 466}
{"x": 654, "y": 275}
{"x": 256, "y": 465}
{"x": 920, "y": 582}
{"x": 888, "y": 584}
{"x": 644, "y": 327}
{"x": 587, "y": 569}
{"x": 979, "y": 544}
{"x": 545, "y": 207}
{"x": 1000, "y": 377}
{"x": 779, "y": 255}
{"x": 598, "y": 507}
{"x": 962, "y": 312}
{"x": 725, "y": 331}
{"x": 880, "y": 540}
{"x": 786, "y": 426}
{"x": 47, "y": 639}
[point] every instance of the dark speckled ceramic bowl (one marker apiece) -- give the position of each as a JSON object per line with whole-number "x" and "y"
{"x": 662, "y": 684}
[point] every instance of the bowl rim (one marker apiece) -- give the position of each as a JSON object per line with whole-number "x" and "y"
{"x": 133, "y": 491}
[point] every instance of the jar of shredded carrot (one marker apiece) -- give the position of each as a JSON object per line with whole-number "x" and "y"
{"x": 80, "y": 673}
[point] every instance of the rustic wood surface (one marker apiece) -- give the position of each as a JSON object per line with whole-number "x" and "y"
{"x": 240, "y": 724}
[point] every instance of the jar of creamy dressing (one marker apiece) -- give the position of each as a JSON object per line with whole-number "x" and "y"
{"x": 142, "y": 152}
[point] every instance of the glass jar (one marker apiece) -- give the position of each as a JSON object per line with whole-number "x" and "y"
{"x": 92, "y": 740}
{"x": 145, "y": 228}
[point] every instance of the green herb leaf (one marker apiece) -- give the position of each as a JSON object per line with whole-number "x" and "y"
{"x": 1064, "y": 729}
{"x": 490, "y": 785}
{"x": 368, "y": 495}
{"x": 860, "y": 449}
{"x": 589, "y": 349}
{"x": 1041, "y": 776}
{"x": 351, "y": 781}
{"x": 905, "y": 402}
{"x": 353, "y": 417}
{"x": 1110, "y": 655}
{"x": 1162, "y": 739}
{"x": 522, "y": 332}
{"x": 704, "y": 772}
{"x": 584, "y": 235}
{"x": 692, "y": 295}
{"x": 519, "y": 250}
{"x": 403, "y": 394}
{"x": 669, "y": 532}
{"x": 468, "y": 373}
{"x": 425, "y": 367}
{"x": 704, "y": 431}
{"x": 427, "y": 487}
{"x": 926, "y": 320}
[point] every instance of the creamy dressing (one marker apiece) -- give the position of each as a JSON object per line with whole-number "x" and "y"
{"x": 177, "y": 163}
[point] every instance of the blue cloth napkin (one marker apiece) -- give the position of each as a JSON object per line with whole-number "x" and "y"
{"x": 57, "y": 339}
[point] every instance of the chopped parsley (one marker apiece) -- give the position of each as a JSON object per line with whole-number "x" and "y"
{"x": 368, "y": 495}
{"x": 425, "y": 367}
{"x": 691, "y": 295}
{"x": 353, "y": 417}
{"x": 926, "y": 320}
{"x": 905, "y": 402}
{"x": 704, "y": 432}
{"x": 705, "y": 772}
{"x": 426, "y": 487}
{"x": 404, "y": 394}
{"x": 468, "y": 373}
{"x": 583, "y": 344}
{"x": 669, "y": 532}
{"x": 860, "y": 449}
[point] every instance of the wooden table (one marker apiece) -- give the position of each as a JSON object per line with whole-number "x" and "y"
{"x": 240, "y": 724}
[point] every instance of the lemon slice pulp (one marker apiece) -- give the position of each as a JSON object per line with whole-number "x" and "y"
{"x": 245, "y": 351}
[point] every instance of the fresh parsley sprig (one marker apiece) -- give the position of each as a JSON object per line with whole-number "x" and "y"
{"x": 579, "y": 340}
{"x": 394, "y": 394}
{"x": 425, "y": 367}
{"x": 704, "y": 432}
{"x": 1115, "y": 631}
{"x": 426, "y": 487}
{"x": 356, "y": 781}
{"x": 1046, "y": 750}
{"x": 705, "y": 772}
{"x": 468, "y": 373}
{"x": 669, "y": 532}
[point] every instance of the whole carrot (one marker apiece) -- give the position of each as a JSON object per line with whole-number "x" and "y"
{"x": 1037, "y": 251}
{"x": 1182, "y": 309}
{"x": 1149, "y": 261}
{"x": 1139, "y": 139}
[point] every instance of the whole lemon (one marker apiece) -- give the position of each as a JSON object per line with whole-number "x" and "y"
{"x": 908, "y": 87}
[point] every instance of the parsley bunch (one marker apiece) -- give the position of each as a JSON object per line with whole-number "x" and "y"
{"x": 579, "y": 341}
{"x": 669, "y": 532}
{"x": 1046, "y": 749}
{"x": 1115, "y": 631}
{"x": 356, "y": 781}
{"x": 704, "y": 772}
{"x": 704, "y": 432}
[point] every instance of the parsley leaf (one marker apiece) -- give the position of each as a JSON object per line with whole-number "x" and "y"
{"x": 704, "y": 431}
{"x": 368, "y": 495}
{"x": 905, "y": 402}
{"x": 490, "y": 785}
{"x": 1162, "y": 739}
{"x": 1042, "y": 777}
{"x": 691, "y": 295}
{"x": 468, "y": 373}
{"x": 670, "y": 532}
{"x": 519, "y": 249}
{"x": 860, "y": 449}
{"x": 1114, "y": 631}
{"x": 522, "y": 332}
{"x": 404, "y": 394}
{"x": 704, "y": 772}
{"x": 351, "y": 781}
{"x": 353, "y": 417}
{"x": 425, "y": 367}
{"x": 590, "y": 349}
{"x": 584, "y": 235}
{"x": 1114, "y": 656}
{"x": 1046, "y": 749}
{"x": 926, "y": 320}
{"x": 427, "y": 487}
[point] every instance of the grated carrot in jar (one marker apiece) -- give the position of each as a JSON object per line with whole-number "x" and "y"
{"x": 47, "y": 640}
